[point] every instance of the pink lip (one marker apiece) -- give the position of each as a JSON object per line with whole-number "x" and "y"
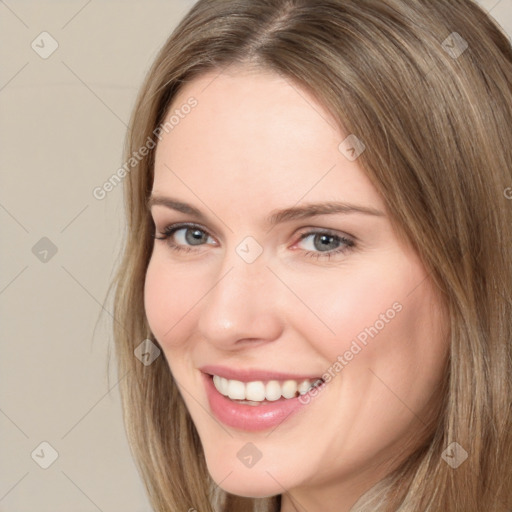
{"x": 249, "y": 375}
{"x": 247, "y": 417}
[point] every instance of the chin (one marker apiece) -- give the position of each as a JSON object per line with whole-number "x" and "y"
{"x": 244, "y": 482}
{"x": 248, "y": 488}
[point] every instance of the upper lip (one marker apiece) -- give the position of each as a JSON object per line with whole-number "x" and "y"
{"x": 253, "y": 374}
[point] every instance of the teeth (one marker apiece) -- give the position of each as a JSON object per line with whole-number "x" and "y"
{"x": 289, "y": 389}
{"x": 223, "y": 385}
{"x": 236, "y": 390}
{"x": 273, "y": 391}
{"x": 258, "y": 391}
{"x": 303, "y": 387}
{"x": 254, "y": 391}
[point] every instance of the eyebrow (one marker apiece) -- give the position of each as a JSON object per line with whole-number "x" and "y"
{"x": 277, "y": 216}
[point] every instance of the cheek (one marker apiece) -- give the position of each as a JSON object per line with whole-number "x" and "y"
{"x": 384, "y": 318}
{"x": 169, "y": 296}
{"x": 357, "y": 304}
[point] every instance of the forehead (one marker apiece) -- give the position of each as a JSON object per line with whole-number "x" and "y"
{"x": 256, "y": 133}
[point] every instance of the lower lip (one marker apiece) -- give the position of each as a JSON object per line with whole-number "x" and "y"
{"x": 249, "y": 417}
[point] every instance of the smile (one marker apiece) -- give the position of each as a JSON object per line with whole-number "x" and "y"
{"x": 255, "y": 400}
{"x": 257, "y": 392}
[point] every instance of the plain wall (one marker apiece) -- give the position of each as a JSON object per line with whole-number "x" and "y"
{"x": 62, "y": 126}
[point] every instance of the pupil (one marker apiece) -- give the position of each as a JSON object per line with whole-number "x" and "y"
{"x": 196, "y": 237}
{"x": 325, "y": 241}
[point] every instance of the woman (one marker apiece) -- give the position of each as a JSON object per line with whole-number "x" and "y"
{"x": 317, "y": 277}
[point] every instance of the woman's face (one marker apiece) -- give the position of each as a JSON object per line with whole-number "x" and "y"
{"x": 259, "y": 289}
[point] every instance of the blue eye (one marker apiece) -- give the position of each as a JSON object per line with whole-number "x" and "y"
{"x": 191, "y": 236}
{"x": 325, "y": 244}
{"x": 320, "y": 243}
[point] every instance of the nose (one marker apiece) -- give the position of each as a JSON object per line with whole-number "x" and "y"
{"x": 244, "y": 304}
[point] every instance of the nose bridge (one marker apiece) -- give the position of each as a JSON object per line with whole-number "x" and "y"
{"x": 243, "y": 300}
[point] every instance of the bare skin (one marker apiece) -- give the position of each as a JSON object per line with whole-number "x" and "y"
{"x": 252, "y": 146}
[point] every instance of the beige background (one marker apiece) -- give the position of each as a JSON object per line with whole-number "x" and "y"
{"x": 62, "y": 125}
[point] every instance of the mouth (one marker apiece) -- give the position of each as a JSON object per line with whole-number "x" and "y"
{"x": 255, "y": 405}
{"x": 259, "y": 392}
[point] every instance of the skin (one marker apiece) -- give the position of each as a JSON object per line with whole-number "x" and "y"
{"x": 254, "y": 144}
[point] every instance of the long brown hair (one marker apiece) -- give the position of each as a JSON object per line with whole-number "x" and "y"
{"x": 427, "y": 85}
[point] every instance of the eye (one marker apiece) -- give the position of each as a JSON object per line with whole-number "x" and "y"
{"x": 183, "y": 237}
{"x": 325, "y": 243}
{"x": 318, "y": 243}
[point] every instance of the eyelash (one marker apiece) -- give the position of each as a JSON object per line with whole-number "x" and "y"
{"x": 349, "y": 243}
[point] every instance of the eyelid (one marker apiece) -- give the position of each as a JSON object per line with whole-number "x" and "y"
{"x": 159, "y": 216}
{"x": 348, "y": 242}
{"x": 330, "y": 231}
{"x": 177, "y": 226}
{"x": 303, "y": 232}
